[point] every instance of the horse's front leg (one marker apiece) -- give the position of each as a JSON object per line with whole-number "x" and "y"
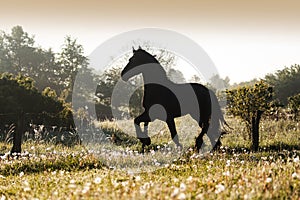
{"x": 174, "y": 135}
{"x": 142, "y": 135}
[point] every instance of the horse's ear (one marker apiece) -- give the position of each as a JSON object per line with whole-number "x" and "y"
{"x": 154, "y": 56}
{"x": 140, "y": 47}
{"x": 133, "y": 50}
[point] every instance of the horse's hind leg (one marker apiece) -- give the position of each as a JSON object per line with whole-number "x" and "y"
{"x": 142, "y": 135}
{"x": 174, "y": 135}
{"x": 199, "y": 139}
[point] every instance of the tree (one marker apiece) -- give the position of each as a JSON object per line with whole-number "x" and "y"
{"x": 175, "y": 75}
{"x": 71, "y": 59}
{"x": 218, "y": 83}
{"x": 285, "y": 82}
{"x": 195, "y": 79}
{"x": 249, "y": 103}
{"x": 19, "y": 54}
{"x": 19, "y": 97}
{"x": 294, "y": 105}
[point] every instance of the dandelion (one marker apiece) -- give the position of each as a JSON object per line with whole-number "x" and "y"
{"x": 137, "y": 178}
{"x": 26, "y": 186}
{"x": 182, "y": 187}
{"x": 21, "y": 174}
{"x": 176, "y": 180}
{"x": 219, "y": 188}
{"x": 268, "y": 180}
{"x": 295, "y": 175}
{"x": 227, "y": 173}
{"x": 200, "y": 196}
{"x": 227, "y": 163}
{"x": 97, "y": 180}
{"x": 189, "y": 179}
{"x": 86, "y": 188}
{"x": 181, "y": 196}
{"x": 175, "y": 192}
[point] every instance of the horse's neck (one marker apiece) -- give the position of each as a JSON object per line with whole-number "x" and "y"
{"x": 155, "y": 74}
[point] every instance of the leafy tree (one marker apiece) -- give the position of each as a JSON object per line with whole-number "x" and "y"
{"x": 19, "y": 54}
{"x": 19, "y": 97}
{"x": 249, "y": 103}
{"x": 71, "y": 59}
{"x": 218, "y": 83}
{"x": 175, "y": 75}
{"x": 294, "y": 105}
{"x": 285, "y": 82}
{"x": 195, "y": 79}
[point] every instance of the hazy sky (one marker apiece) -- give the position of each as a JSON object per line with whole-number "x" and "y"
{"x": 244, "y": 39}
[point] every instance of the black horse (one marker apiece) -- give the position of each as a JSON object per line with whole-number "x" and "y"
{"x": 166, "y": 100}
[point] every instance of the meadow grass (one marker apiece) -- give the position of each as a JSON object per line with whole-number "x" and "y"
{"x": 46, "y": 171}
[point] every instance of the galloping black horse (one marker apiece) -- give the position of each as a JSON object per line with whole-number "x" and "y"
{"x": 166, "y": 100}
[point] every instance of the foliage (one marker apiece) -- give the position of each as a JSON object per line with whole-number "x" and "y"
{"x": 245, "y": 101}
{"x": 285, "y": 82}
{"x": 249, "y": 103}
{"x": 217, "y": 83}
{"x": 20, "y": 55}
{"x": 294, "y": 105}
{"x": 18, "y": 94}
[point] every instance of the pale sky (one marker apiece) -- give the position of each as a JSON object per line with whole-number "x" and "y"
{"x": 244, "y": 39}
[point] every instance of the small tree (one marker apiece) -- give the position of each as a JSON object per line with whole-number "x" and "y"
{"x": 294, "y": 105}
{"x": 249, "y": 103}
{"x": 19, "y": 97}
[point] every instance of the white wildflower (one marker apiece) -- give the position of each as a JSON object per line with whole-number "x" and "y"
{"x": 26, "y": 189}
{"x": 97, "y": 180}
{"x": 219, "y": 188}
{"x": 175, "y": 192}
{"x": 176, "y": 180}
{"x": 189, "y": 179}
{"x": 137, "y": 178}
{"x": 296, "y": 159}
{"x": 227, "y": 173}
{"x": 228, "y": 163}
{"x": 182, "y": 187}
{"x": 21, "y": 174}
{"x": 181, "y": 196}
{"x": 295, "y": 175}
{"x": 268, "y": 180}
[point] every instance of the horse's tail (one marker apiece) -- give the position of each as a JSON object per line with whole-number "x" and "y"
{"x": 217, "y": 121}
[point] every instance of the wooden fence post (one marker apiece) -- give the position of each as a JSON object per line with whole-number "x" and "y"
{"x": 17, "y": 139}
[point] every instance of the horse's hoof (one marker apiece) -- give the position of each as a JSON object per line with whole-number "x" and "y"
{"x": 146, "y": 141}
{"x": 179, "y": 146}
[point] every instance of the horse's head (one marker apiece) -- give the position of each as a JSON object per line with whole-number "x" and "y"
{"x": 139, "y": 58}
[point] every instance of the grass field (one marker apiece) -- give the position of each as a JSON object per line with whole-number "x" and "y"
{"x": 46, "y": 171}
